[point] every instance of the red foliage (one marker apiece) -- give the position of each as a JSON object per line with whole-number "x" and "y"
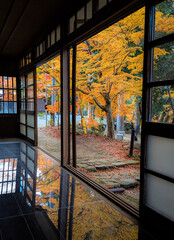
{"x": 51, "y": 131}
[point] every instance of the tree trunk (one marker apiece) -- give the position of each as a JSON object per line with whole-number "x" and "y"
{"x": 110, "y": 122}
{"x": 52, "y": 119}
{"x": 137, "y": 119}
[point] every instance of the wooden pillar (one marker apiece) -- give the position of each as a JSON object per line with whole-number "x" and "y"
{"x": 65, "y": 107}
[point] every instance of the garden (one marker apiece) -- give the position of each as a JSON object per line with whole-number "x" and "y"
{"x": 109, "y": 77}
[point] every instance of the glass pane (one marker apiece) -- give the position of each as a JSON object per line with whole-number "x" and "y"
{"x": 89, "y": 10}
{"x": 163, "y": 104}
{"x": 23, "y": 61}
{"x": 108, "y": 102}
{"x": 11, "y": 107}
{"x": 27, "y": 60}
{"x": 23, "y": 93}
{"x": 10, "y": 95}
{"x": 80, "y": 17}
{"x": 15, "y": 107}
{"x": 14, "y": 82}
{"x": 163, "y": 62}
{"x": 164, "y": 18}
{"x": 1, "y": 82}
{"x": 29, "y": 57}
{"x": 30, "y": 92}
{"x": 30, "y": 105}
{"x": 15, "y": 95}
{"x": 10, "y": 83}
{"x": 22, "y": 105}
{"x": 160, "y": 152}
{"x": 5, "y": 95}
{"x": 1, "y": 106}
{"x": 1, "y": 94}
{"x": 49, "y": 106}
{"x": 5, "y": 82}
{"x": 160, "y": 195}
{"x": 30, "y": 79}
{"x": 22, "y": 81}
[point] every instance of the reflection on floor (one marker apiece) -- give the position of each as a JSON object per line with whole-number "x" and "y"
{"x": 41, "y": 200}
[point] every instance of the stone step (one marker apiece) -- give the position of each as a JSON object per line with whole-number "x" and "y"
{"x": 117, "y": 190}
{"x": 132, "y": 162}
{"x": 128, "y": 183}
{"x": 101, "y": 167}
{"x": 119, "y": 164}
{"x": 91, "y": 169}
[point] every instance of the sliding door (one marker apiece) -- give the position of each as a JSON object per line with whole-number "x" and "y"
{"x": 158, "y": 116}
{"x": 27, "y": 107}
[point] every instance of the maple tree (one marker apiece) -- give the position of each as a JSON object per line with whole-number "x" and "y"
{"x": 109, "y": 70}
{"x": 110, "y": 66}
{"x": 48, "y": 84}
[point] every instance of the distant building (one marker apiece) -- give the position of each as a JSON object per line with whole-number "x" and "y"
{"x": 41, "y": 105}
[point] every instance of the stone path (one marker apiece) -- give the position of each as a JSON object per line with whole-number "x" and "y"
{"x": 92, "y": 166}
{"x": 104, "y": 160}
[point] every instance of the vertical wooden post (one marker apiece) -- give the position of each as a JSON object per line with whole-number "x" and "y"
{"x": 74, "y": 106}
{"x": 65, "y": 107}
{"x": 35, "y": 106}
{"x": 132, "y": 141}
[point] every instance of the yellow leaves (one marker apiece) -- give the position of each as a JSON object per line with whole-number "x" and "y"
{"x": 53, "y": 108}
{"x": 90, "y": 122}
{"x": 164, "y": 23}
{"x": 159, "y": 52}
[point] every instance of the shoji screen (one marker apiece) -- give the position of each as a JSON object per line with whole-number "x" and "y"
{"x": 157, "y": 196}
{"x": 27, "y": 106}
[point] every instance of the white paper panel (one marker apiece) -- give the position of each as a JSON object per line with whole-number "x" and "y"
{"x": 80, "y": 17}
{"x": 160, "y": 196}
{"x": 53, "y": 37}
{"x": 71, "y": 24}
{"x": 102, "y": 3}
{"x": 22, "y": 129}
{"x": 160, "y": 155}
{"x": 22, "y": 118}
{"x": 41, "y": 49}
{"x": 58, "y": 33}
{"x": 30, "y": 133}
{"x": 30, "y": 120}
{"x": 48, "y": 40}
{"x": 89, "y": 10}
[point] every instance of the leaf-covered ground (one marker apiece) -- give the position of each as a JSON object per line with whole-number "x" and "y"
{"x": 96, "y": 150}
